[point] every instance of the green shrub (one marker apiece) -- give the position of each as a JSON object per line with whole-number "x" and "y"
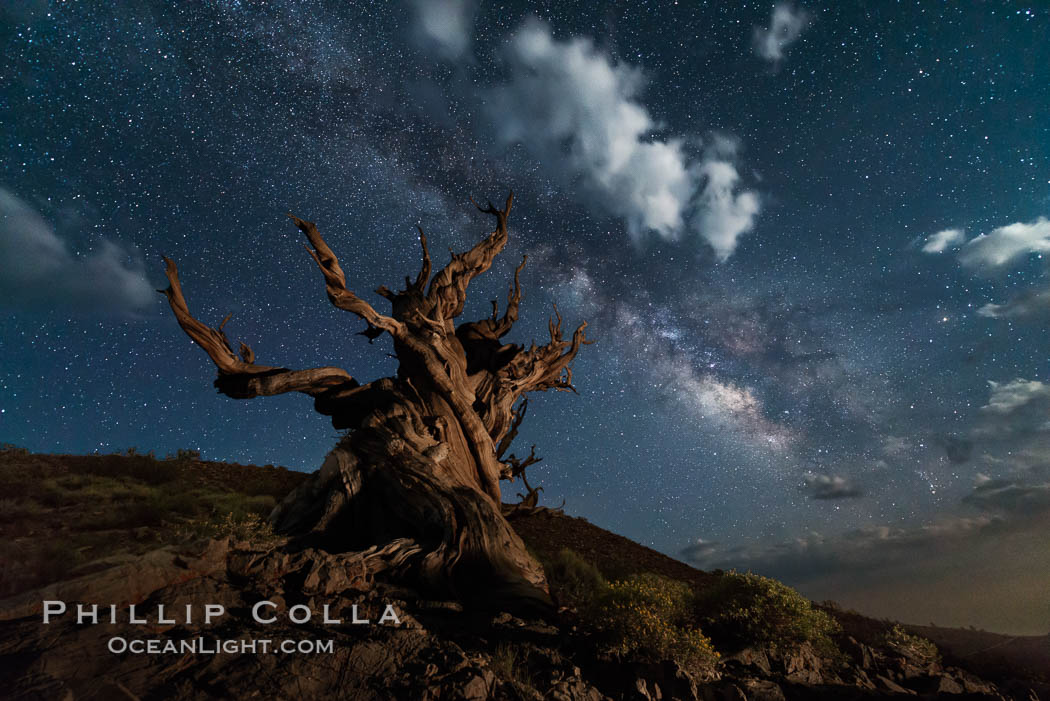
{"x": 743, "y": 610}
{"x": 911, "y": 646}
{"x": 572, "y": 579}
{"x": 649, "y": 617}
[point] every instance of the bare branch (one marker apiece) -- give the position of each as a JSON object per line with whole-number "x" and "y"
{"x": 371, "y": 333}
{"x": 531, "y": 498}
{"x": 213, "y": 341}
{"x": 448, "y": 289}
{"x": 505, "y": 324}
{"x": 517, "y": 416}
{"x": 240, "y": 377}
{"x": 547, "y": 367}
{"x": 424, "y": 272}
{"x": 496, "y": 327}
{"x": 517, "y": 465}
{"x": 335, "y": 281}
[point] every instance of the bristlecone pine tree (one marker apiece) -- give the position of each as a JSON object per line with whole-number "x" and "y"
{"x": 416, "y": 482}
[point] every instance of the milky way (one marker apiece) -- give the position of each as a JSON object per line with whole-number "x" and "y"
{"x": 808, "y": 239}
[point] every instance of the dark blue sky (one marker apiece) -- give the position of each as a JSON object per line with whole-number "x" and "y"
{"x": 808, "y": 239}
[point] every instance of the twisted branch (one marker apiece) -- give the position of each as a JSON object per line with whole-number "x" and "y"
{"x": 547, "y": 367}
{"x": 335, "y": 282}
{"x": 448, "y": 289}
{"x": 240, "y": 377}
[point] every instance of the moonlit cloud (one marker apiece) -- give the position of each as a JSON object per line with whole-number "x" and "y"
{"x": 724, "y": 215}
{"x": 699, "y": 550}
{"x": 785, "y": 27}
{"x": 579, "y": 114}
{"x": 443, "y": 27}
{"x": 895, "y": 446}
{"x": 1006, "y": 244}
{"x": 1002, "y": 496}
{"x": 820, "y": 486}
{"x": 1017, "y": 412}
{"x": 37, "y": 270}
{"x": 1027, "y": 304}
{"x": 943, "y": 240}
{"x": 869, "y": 547}
{"x": 1009, "y": 397}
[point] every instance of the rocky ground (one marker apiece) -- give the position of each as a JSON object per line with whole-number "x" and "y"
{"x": 437, "y": 650}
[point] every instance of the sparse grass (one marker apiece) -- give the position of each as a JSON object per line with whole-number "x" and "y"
{"x": 272, "y": 483}
{"x": 22, "y": 479}
{"x": 72, "y": 482}
{"x": 57, "y": 512}
{"x": 510, "y": 662}
{"x": 240, "y": 505}
{"x": 12, "y": 510}
{"x": 144, "y": 468}
{"x": 250, "y": 527}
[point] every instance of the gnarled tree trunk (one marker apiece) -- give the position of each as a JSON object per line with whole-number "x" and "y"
{"x": 418, "y": 473}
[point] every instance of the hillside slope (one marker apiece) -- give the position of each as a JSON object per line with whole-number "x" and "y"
{"x": 136, "y": 530}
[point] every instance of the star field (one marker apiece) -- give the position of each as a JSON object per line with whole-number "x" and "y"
{"x": 795, "y": 371}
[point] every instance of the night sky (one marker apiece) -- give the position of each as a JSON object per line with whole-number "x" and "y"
{"x": 808, "y": 239}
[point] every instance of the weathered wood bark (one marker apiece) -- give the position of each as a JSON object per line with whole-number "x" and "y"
{"x": 423, "y": 458}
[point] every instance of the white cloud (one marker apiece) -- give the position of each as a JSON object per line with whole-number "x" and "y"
{"x": 895, "y": 446}
{"x": 1000, "y": 496}
{"x": 579, "y": 114}
{"x": 37, "y": 270}
{"x": 1007, "y": 243}
{"x": 822, "y": 486}
{"x": 724, "y": 216}
{"x": 1009, "y": 397}
{"x": 1017, "y": 413}
{"x": 1031, "y": 303}
{"x": 1003, "y": 245}
{"x": 785, "y": 27}
{"x": 943, "y": 240}
{"x": 443, "y": 27}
